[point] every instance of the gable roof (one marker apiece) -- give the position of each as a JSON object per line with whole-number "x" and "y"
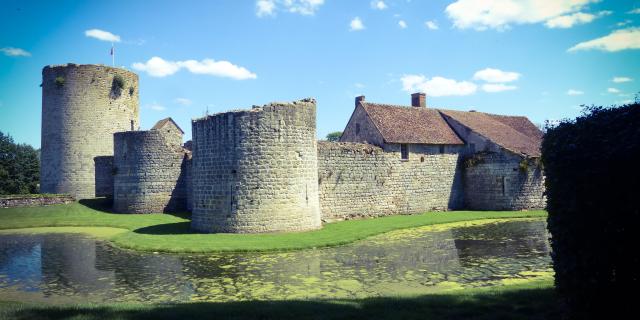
{"x": 516, "y": 134}
{"x": 399, "y": 124}
{"x": 160, "y": 124}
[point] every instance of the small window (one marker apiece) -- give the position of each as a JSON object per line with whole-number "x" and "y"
{"x": 404, "y": 151}
{"x": 441, "y": 148}
{"x": 357, "y": 129}
{"x": 131, "y": 125}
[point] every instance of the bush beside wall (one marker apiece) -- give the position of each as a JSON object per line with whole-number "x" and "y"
{"x": 592, "y": 170}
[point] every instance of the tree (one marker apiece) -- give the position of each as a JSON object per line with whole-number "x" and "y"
{"x": 19, "y": 167}
{"x": 334, "y": 136}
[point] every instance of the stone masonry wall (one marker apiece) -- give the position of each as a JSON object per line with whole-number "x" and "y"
{"x": 150, "y": 172}
{"x": 361, "y": 180}
{"x": 80, "y": 113}
{"x": 256, "y": 170}
{"x": 104, "y": 176}
{"x": 495, "y": 181}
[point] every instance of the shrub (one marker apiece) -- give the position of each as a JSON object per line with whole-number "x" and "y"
{"x": 117, "y": 84}
{"x": 334, "y": 136}
{"x": 593, "y": 183}
{"x": 59, "y": 81}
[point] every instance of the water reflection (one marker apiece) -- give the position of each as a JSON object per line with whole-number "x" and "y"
{"x": 407, "y": 261}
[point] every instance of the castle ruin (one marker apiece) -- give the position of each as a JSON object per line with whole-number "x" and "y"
{"x": 263, "y": 170}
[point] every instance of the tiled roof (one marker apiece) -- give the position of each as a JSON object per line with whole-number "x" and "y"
{"x": 516, "y": 134}
{"x": 160, "y": 124}
{"x": 400, "y": 124}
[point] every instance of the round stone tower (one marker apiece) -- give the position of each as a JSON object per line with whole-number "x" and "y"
{"x": 256, "y": 170}
{"x": 150, "y": 170}
{"x": 82, "y": 107}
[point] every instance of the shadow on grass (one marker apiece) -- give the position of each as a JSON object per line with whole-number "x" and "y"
{"x": 167, "y": 228}
{"x": 105, "y": 205}
{"x": 98, "y": 204}
{"x": 518, "y": 304}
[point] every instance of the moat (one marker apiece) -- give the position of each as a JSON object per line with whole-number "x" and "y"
{"x": 76, "y": 268}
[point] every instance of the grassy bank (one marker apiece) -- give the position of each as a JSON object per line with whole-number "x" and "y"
{"x": 170, "y": 233}
{"x": 535, "y": 300}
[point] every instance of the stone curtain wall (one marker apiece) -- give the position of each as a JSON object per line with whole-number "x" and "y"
{"x": 361, "y": 180}
{"x": 495, "y": 181}
{"x": 150, "y": 172}
{"x": 256, "y": 170}
{"x": 104, "y": 176}
{"x": 80, "y": 113}
{"x": 34, "y": 200}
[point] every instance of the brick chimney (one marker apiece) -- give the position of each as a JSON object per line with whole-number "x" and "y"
{"x": 419, "y": 99}
{"x": 359, "y": 99}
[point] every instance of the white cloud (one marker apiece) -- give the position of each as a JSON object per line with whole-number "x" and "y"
{"x": 500, "y": 14}
{"x": 437, "y": 86}
{"x": 402, "y": 24}
{"x": 568, "y": 21}
{"x": 356, "y": 24}
{"x": 497, "y": 87}
{"x": 432, "y": 25}
{"x": 621, "y": 79}
{"x": 102, "y": 35}
{"x": 613, "y": 90}
{"x": 616, "y": 41}
{"x": 358, "y": 85}
{"x": 15, "y": 52}
{"x": 303, "y": 7}
{"x": 156, "y": 107}
{"x": 635, "y": 11}
{"x": 378, "y": 5}
{"x": 218, "y": 69}
{"x": 265, "y": 8}
{"x": 496, "y": 75}
{"x": 183, "y": 101}
{"x": 624, "y": 23}
{"x": 573, "y": 92}
{"x": 158, "y": 67}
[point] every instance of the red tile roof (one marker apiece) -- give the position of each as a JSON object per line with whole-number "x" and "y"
{"x": 399, "y": 124}
{"x": 516, "y": 134}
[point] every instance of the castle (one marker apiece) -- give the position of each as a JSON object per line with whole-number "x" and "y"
{"x": 263, "y": 170}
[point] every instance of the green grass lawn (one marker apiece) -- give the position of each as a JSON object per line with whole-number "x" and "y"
{"x": 535, "y": 300}
{"x": 170, "y": 233}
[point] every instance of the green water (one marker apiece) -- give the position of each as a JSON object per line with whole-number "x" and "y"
{"x": 75, "y": 268}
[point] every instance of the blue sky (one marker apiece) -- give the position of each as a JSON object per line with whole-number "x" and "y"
{"x": 539, "y": 58}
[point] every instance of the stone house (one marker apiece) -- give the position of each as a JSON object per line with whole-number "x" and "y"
{"x": 497, "y": 156}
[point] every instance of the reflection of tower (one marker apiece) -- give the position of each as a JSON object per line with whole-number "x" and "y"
{"x": 82, "y": 106}
{"x": 69, "y": 266}
{"x": 144, "y": 277}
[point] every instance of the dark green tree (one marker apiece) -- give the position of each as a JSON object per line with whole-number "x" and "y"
{"x": 334, "y": 136}
{"x": 19, "y": 167}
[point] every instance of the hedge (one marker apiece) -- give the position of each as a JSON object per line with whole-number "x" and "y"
{"x": 592, "y": 167}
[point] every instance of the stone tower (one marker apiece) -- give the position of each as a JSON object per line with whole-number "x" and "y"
{"x": 256, "y": 170}
{"x": 82, "y": 107}
{"x": 150, "y": 174}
